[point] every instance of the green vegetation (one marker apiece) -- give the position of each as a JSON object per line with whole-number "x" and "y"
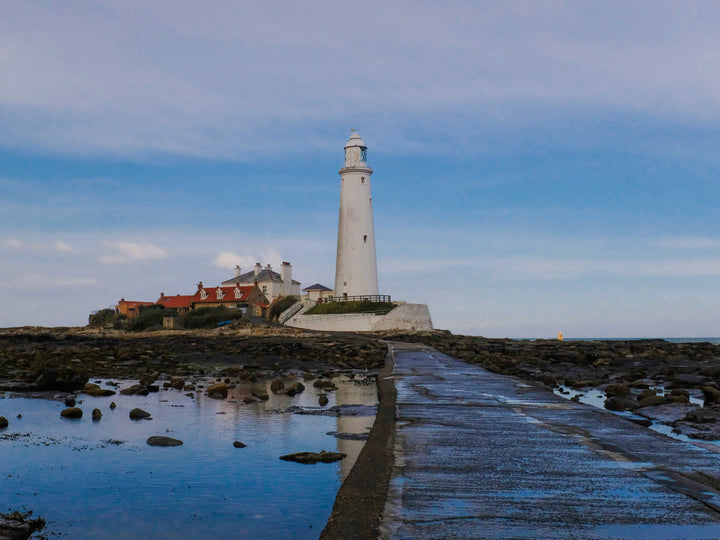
{"x": 333, "y": 308}
{"x": 209, "y": 317}
{"x": 281, "y": 305}
{"x": 151, "y": 317}
{"x": 107, "y": 317}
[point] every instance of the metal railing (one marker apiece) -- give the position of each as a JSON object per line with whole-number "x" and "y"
{"x": 360, "y": 298}
{"x": 289, "y": 312}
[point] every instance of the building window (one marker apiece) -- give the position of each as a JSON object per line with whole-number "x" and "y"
{"x": 238, "y": 294}
{"x": 203, "y": 295}
{"x": 362, "y": 179}
{"x": 219, "y": 294}
{"x": 264, "y": 289}
{"x": 365, "y": 238}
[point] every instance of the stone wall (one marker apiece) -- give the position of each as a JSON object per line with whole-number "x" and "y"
{"x": 410, "y": 317}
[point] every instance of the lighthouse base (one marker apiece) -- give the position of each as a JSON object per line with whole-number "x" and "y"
{"x": 408, "y": 317}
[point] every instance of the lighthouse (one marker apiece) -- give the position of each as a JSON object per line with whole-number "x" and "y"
{"x": 355, "y": 267}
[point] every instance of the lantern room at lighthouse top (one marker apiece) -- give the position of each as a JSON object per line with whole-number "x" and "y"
{"x": 356, "y": 151}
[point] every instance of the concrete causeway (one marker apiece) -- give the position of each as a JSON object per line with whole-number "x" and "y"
{"x": 482, "y": 455}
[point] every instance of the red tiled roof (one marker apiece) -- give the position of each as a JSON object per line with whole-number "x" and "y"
{"x": 177, "y": 301}
{"x": 228, "y": 294}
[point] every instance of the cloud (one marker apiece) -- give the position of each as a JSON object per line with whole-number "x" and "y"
{"x": 132, "y": 251}
{"x": 62, "y": 247}
{"x": 13, "y": 243}
{"x": 294, "y": 68}
{"x": 230, "y": 260}
{"x": 689, "y": 242}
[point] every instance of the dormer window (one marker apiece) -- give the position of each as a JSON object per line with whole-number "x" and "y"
{"x": 203, "y": 295}
{"x": 219, "y": 294}
{"x": 238, "y": 294}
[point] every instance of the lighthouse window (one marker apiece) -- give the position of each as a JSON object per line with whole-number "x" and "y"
{"x": 362, "y": 179}
{"x": 363, "y": 154}
{"x": 365, "y": 238}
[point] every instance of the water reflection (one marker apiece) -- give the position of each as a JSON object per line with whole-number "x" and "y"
{"x": 71, "y": 473}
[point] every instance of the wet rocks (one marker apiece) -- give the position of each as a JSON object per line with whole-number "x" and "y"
{"x": 238, "y": 444}
{"x": 712, "y": 394}
{"x": 619, "y": 403}
{"x": 667, "y": 413}
{"x": 69, "y": 400}
{"x": 63, "y": 378}
{"x": 325, "y": 384}
{"x": 4, "y": 422}
{"x": 323, "y": 400}
{"x": 617, "y": 389}
{"x": 177, "y": 382}
{"x": 92, "y": 389}
{"x": 702, "y": 415}
{"x": 19, "y": 526}
{"x": 260, "y": 393}
{"x": 295, "y": 388}
{"x": 276, "y": 385}
{"x": 135, "y": 389}
{"x": 96, "y": 415}
{"x": 314, "y": 457}
{"x": 218, "y": 390}
{"x": 139, "y": 414}
{"x": 160, "y": 440}
{"x": 113, "y": 405}
{"x": 651, "y": 401}
{"x": 71, "y": 412}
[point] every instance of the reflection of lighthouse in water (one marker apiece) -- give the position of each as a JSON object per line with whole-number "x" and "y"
{"x": 348, "y": 394}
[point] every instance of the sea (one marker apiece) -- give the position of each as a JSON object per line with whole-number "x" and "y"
{"x": 99, "y": 479}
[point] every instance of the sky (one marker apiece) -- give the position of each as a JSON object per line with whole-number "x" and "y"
{"x": 538, "y": 166}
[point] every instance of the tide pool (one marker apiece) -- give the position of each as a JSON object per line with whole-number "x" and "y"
{"x": 100, "y": 479}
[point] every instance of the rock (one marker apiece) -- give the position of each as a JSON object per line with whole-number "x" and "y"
{"x": 92, "y": 389}
{"x": 153, "y": 388}
{"x": 295, "y": 388}
{"x": 323, "y": 400}
{"x": 688, "y": 379}
{"x": 702, "y": 415}
{"x": 307, "y": 376}
{"x": 177, "y": 382}
{"x": 550, "y": 380}
{"x": 645, "y": 394}
{"x": 148, "y": 378}
{"x": 259, "y": 393}
{"x": 131, "y": 390}
{"x": 69, "y": 400}
{"x": 66, "y": 379}
{"x": 617, "y": 389}
{"x": 276, "y": 385}
{"x": 678, "y": 399}
{"x": 712, "y": 394}
{"x": 314, "y": 457}
{"x": 238, "y": 444}
{"x": 619, "y": 403}
{"x": 19, "y": 526}
{"x": 651, "y": 401}
{"x": 666, "y": 413}
{"x": 96, "y": 414}
{"x": 217, "y": 390}
{"x": 250, "y": 399}
{"x": 325, "y": 384}
{"x": 139, "y": 414}
{"x": 71, "y": 412}
{"x": 4, "y": 422}
{"x": 160, "y": 440}
{"x": 113, "y": 405}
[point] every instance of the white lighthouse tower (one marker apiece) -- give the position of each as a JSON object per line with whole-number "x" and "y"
{"x": 356, "y": 267}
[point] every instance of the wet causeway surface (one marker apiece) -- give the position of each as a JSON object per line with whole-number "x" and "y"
{"x": 482, "y": 455}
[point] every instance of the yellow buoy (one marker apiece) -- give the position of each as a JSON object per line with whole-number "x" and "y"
{"x": 560, "y": 336}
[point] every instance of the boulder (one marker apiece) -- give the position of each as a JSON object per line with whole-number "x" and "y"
{"x": 259, "y": 393}
{"x": 666, "y": 413}
{"x": 617, "y": 389}
{"x": 92, "y": 389}
{"x": 139, "y": 414}
{"x": 295, "y": 388}
{"x": 651, "y": 401}
{"x": 307, "y": 376}
{"x": 276, "y": 385}
{"x": 645, "y": 394}
{"x": 702, "y": 415}
{"x": 160, "y": 440}
{"x": 619, "y": 403}
{"x": 323, "y": 400}
{"x": 177, "y": 382}
{"x": 314, "y": 457}
{"x": 712, "y": 394}
{"x": 148, "y": 378}
{"x": 71, "y": 412}
{"x": 4, "y": 422}
{"x": 96, "y": 414}
{"x": 324, "y": 384}
{"x": 131, "y": 390}
{"x": 17, "y": 525}
{"x": 238, "y": 444}
{"x": 217, "y": 390}
{"x": 113, "y": 405}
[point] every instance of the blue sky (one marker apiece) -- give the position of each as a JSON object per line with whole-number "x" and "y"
{"x": 539, "y": 166}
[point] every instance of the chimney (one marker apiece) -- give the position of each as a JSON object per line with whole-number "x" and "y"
{"x": 269, "y": 268}
{"x": 286, "y": 277}
{"x": 237, "y": 271}
{"x": 200, "y": 285}
{"x": 162, "y": 295}
{"x": 257, "y": 268}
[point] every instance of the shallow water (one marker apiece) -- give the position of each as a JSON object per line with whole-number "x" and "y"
{"x": 84, "y": 486}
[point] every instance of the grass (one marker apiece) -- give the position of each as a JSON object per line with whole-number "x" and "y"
{"x": 336, "y": 308}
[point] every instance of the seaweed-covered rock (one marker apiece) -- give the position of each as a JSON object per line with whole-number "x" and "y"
{"x": 218, "y": 390}
{"x": 96, "y": 415}
{"x": 139, "y": 414}
{"x": 314, "y": 457}
{"x": 619, "y": 403}
{"x": 276, "y": 385}
{"x": 238, "y": 444}
{"x": 71, "y": 412}
{"x": 160, "y": 440}
{"x": 259, "y": 393}
{"x": 4, "y": 422}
